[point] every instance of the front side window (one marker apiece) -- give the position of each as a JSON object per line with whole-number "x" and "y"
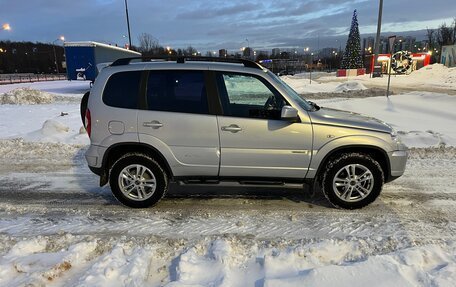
{"x": 177, "y": 91}
{"x": 245, "y": 95}
{"x": 122, "y": 90}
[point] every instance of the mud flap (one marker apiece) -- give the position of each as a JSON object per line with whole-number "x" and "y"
{"x": 103, "y": 178}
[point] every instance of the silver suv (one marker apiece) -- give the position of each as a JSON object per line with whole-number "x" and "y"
{"x": 209, "y": 120}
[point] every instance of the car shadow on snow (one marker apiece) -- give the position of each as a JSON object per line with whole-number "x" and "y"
{"x": 214, "y": 191}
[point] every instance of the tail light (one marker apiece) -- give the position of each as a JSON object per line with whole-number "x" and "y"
{"x": 88, "y": 122}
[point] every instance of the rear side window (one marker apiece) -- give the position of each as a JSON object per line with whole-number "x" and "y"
{"x": 122, "y": 90}
{"x": 177, "y": 91}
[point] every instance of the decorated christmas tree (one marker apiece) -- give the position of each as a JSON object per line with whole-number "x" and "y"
{"x": 352, "y": 56}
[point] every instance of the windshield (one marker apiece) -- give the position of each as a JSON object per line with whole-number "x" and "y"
{"x": 292, "y": 93}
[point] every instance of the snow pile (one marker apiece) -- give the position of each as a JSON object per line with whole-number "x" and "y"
{"x": 57, "y": 123}
{"x": 26, "y": 96}
{"x": 422, "y": 119}
{"x": 65, "y": 88}
{"x": 436, "y": 73}
{"x": 431, "y": 77}
{"x": 57, "y": 132}
{"x": 303, "y": 85}
{"x": 350, "y": 86}
{"x": 74, "y": 261}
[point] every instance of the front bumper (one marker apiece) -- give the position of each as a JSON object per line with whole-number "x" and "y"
{"x": 398, "y": 161}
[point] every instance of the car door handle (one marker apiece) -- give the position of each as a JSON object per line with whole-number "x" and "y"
{"x": 232, "y": 128}
{"x": 153, "y": 124}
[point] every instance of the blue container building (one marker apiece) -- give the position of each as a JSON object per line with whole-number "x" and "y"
{"x": 82, "y": 58}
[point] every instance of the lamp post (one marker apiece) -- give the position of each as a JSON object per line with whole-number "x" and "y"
{"x": 128, "y": 25}
{"x": 379, "y": 28}
{"x": 61, "y": 38}
{"x": 311, "y": 64}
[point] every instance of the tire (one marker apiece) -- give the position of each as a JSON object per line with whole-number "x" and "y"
{"x": 83, "y": 106}
{"x": 138, "y": 192}
{"x": 351, "y": 190}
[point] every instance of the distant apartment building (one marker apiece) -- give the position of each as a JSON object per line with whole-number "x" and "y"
{"x": 223, "y": 53}
{"x": 262, "y": 52}
{"x": 407, "y": 43}
{"x": 368, "y": 45}
{"x": 248, "y": 53}
{"x": 275, "y": 52}
{"x": 328, "y": 52}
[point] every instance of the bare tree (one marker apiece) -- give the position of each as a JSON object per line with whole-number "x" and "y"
{"x": 190, "y": 51}
{"x": 430, "y": 36}
{"x": 148, "y": 44}
{"x": 445, "y": 35}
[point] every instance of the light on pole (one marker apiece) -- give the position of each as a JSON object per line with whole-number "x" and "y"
{"x": 61, "y": 38}
{"x": 6, "y": 27}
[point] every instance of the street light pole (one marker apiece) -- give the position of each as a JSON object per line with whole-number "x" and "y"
{"x": 128, "y": 25}
{"x": 379, "y": 28}
{"x": 311, "y": 64}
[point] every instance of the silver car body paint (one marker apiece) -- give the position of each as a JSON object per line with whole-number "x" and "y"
{"x": 196, "y": 145}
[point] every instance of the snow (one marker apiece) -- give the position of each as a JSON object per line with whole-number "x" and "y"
{"x": 302, "y": 85}
{"x": 58, "y": 228}
{"x": 432, "y": 76}
{"x": 26, "y": 96}
{"x": 422, "y": 119}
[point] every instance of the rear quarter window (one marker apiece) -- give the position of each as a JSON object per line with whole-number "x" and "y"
{"x": 122, "y": 90}
{"x": 177, "y": 91}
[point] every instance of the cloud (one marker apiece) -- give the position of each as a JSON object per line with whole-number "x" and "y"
{"x": 217, "y": 23}
{"x": 206, "y": 13}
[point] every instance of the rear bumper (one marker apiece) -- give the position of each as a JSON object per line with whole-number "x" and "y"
{"x": 94, "y": 157}
{"x": 398, "y": 161}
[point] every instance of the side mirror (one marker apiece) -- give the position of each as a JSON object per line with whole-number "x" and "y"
{"x": 289, "y": 113}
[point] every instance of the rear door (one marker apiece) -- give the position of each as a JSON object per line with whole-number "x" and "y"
{"x": 177, "y": 116}
{"x": 254, "y": 140}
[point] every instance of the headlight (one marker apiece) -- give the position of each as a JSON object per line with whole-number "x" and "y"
{"x": 394, "y": 136}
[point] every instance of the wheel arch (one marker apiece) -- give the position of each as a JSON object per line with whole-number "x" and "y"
{"x": 116, "y": 151}
{"x": 377, "y": 153}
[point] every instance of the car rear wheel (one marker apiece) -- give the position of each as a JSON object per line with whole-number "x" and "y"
{"x": 352, "y": 180}
{"x": 138, "y": 181}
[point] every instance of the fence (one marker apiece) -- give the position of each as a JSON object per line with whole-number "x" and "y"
{"x": 29, "y": 78}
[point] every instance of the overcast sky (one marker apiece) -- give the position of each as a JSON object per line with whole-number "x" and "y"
{"x": 214, "y": 24}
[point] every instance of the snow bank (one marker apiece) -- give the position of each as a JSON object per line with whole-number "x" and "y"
{"x": 435, "y": 76}
{"x": 68, "y": 260}
{"x": 422, "y": 119}
{"x": 62, "y": 88}
{"x": 26, "y": 96}
{"x": 57, "y": 123}
{"x": 303, "y": 86}
{"x": 350, "y": 86}
{"x": 57, "y": 132}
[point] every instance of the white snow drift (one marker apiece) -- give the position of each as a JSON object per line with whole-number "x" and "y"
{"x": 26, "y": 96}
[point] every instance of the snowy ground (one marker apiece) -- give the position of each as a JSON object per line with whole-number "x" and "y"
{"x": 432, "y": 78}
{"x": 58, "y": 228}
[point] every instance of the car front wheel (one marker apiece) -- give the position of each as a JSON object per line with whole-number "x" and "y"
{"x": 352, "y": 180}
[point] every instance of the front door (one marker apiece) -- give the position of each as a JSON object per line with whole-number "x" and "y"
{"x": 254, "y": 140}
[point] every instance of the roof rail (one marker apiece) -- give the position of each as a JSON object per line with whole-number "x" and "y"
{"x": 183, "y": 59}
